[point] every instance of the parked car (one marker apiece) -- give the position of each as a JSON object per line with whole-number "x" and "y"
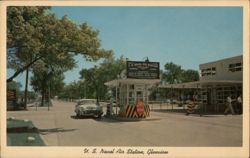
{"x": 88, "y": 107}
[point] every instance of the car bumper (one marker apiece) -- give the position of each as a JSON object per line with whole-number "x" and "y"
{"x": 89, "y": 113}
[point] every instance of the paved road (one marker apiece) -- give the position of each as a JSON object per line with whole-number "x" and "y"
{"x": 59, "y": 127}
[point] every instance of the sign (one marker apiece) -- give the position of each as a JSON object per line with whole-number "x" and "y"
{"x": 140, "y": 107}
{"x": 11, "y": 95}
{"x": 143, "y": 70}
{"x": 11, "y": 99}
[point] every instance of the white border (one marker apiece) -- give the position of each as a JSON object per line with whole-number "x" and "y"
{"x": 40, "y": 152}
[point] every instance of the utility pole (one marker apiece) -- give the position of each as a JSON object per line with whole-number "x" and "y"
{"x": 50, "y": 77}
{"x": 49, "y": 96}
{"x": 26, "y": 89}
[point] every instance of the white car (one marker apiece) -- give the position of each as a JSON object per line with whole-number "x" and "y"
{"x": 88, "y": 107}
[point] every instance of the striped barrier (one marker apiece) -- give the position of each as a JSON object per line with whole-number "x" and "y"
{"x": 190, "y": 108}
{"x": 147, "y": 111}
{"x": 131, "y": 112}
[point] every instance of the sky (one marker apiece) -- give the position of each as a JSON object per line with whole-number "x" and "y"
{"x": 186, "y": 36}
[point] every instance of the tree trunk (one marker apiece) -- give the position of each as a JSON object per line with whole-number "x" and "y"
{"x": 97, "y": 97}
{"x": 26, "y": 88}
{"x": 43, "y": 95}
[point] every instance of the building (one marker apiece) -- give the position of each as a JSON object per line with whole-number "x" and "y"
{"x": 225, "y": 69}
{"x": 218, "y": 79}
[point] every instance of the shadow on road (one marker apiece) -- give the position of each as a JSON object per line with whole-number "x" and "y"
{"x": 197, "y": 113}
{"x": 82, "y": 117}
{"x": 54, "y": 130}
{"x": 113, "y": 120}
{"x": 117, "y": 120}
{"x": 102, "y": 119}
{"x": 107, "y": 120}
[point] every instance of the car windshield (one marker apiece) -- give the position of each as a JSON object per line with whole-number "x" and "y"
{"x": 82, "y": 102}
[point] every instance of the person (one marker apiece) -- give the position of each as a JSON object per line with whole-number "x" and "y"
{"x": 195, "y": 97}
{"x": 229, "y": 105}
{"x": 111, "y": 105}
{"x": 239, "y": 104}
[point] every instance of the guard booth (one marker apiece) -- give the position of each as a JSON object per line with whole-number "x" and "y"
{"x": 133, "y": 89}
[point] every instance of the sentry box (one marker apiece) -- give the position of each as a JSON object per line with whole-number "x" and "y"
{"x": 132, "y": 89}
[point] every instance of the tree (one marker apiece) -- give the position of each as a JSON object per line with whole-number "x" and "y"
{"x": 44, "y": 78}
{"x": 172, "y": 73}
{"x": 175, "y": 74}
{"x": 97, "y": 76}
{"x": 23, "y": 37}
{"x": 33, "y": 33}
{"x": 72, "y": 91}
{"x": 15, "y": 86}
{"x": 190, "y": 75}
{"x": 57, "y": 84}
{"x": 24, "y": 27}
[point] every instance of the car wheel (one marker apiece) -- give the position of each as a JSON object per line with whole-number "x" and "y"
{"x": 77, "y": 115}
{"x": 99, "y": 116}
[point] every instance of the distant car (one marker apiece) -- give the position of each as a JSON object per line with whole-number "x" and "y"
{"x": 167, "y": 101}
{"x": 174, "y": 101}
{"x": 88, "y": 107}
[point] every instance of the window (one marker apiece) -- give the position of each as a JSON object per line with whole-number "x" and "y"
{"x": 208, "y": 71}
{"x": 213, "y": 72}
{"x": 131, "y": 87}
{"x": 235, "y": 67}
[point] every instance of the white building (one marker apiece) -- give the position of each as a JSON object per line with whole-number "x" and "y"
{"x": 225, "y": 69}
{"x": 218, "y": 79}
{"x": 223, "y": 77}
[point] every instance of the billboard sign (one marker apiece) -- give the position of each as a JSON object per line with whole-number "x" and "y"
{"x": 11, "y": 95}
{"x": 11, "y": 99}
{"x": 143, "y": 70}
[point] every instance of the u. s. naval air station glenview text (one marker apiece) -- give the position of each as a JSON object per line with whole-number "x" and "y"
{"x": 124, "y": 76}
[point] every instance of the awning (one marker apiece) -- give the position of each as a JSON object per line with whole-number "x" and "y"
{"x": 202, "y": 83}
{"x": 116, "y": 82}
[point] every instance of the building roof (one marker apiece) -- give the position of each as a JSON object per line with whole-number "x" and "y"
{"x": 199, "y": 84}
{"x": 116, "y": 82}
{"x": 221, "y": 60}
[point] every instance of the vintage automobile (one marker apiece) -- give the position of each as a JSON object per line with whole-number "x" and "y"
{"x": 88, "y": 107}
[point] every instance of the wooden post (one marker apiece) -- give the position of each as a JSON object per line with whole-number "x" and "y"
{"x": 172, "y": 98}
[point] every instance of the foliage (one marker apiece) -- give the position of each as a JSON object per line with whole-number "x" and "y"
{"x": 44, "y": 78}
{"x": 34, "y": 33}
{"x": 30, "y": 94}
{"x": 97, "y": 76}
{"x": 24, "y": 35}
{"x": 172, "y": 73}
{"x": 175, "y": 74}
{"x": 15, "y": 86}
{"x": 92, "y": 80}
{"x": 190, "y": 75}
{"x": 72, "y": 91}
{"x": 37, "y": 39}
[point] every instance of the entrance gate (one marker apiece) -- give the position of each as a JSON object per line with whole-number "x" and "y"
{"x": 132, "y": 91}
{"x": 132, "y": 96}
